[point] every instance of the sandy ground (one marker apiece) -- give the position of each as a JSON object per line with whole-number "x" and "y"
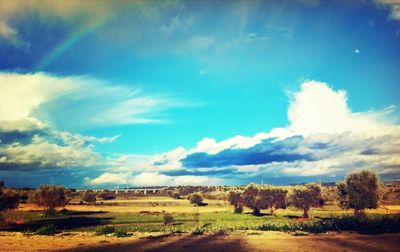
{"x": 236, "y": 241}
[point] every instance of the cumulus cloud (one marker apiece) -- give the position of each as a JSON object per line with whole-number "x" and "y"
{"x": 324, "y": 138}
{"x": 152, "y": 179}
{"x": 28, "y": 144}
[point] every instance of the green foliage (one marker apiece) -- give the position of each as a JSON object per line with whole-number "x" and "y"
{"x": 168, "y": 219}
{"x": 196, "y": 198}
{"x": 198, "y": 230}
{"x": 360, "y": 191}
{"x": 50, "y": 197}
{"x": 46, "y": 230}
{"x": 105, "y": 230}
{"x": 308, "y": 197}
{"x": 382, "y": 224}
{"x": 121, "y": 233}
{"x": 263, "y": 198}
{"x": 236, "y": 200}
{"x": 89, "y": 197}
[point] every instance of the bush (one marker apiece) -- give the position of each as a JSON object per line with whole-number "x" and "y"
{"x": 168, "y": 219}
{"x": 121, "y": 233}
{"x": 198, "y": 230}
{"x": 371, "y": 225}
{"x": 8, "y": 200}
{"x": 196, "y": 199}
{"x": 50, "y": 197}
{"x": 46, "y": 230}
{"x": 105, "y": 230}
{"x": 89, "y": 197}
{"x": 176, "y": 195}
{"x": 107, "y": 196}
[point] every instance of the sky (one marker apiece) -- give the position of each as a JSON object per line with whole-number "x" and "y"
{"x": 106, "y": 94}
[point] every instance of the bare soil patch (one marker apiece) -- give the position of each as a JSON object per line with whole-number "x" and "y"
{"x": 236, "y": 241}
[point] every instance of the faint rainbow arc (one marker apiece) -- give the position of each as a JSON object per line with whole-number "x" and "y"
{"x": 71, "y": 41}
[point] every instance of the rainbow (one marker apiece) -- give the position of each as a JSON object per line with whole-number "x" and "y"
{"x": 72, "y": 40}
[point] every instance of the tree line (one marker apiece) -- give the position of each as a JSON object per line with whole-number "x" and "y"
{"x": 359, "y": 191}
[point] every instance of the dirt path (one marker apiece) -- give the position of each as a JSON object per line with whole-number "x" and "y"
{"x": 237, "y": 241}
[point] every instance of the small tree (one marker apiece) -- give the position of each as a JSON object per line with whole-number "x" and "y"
{"x": 236, "y": 200}
{"x": 278, "y": 199}
{"x": 8, "y": 199}
{"x": 306, "y": 198}
{"x": 196, "y": 198}
{"x": 168, "y": 219}
{"x": 89, "y": 197}
{"x": 50, "y": 197}
{"x": 250, "y": 198}
{"x": 360, "y": 191}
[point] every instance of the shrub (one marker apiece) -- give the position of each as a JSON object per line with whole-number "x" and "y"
{"x": 105, "y": 230}
{"x": 359, "y": 191}
{"x": 168, "y": 219}
{"x": 306, "y": 198}
{"x": 198, "y": 230}
{"x": 49, "y": 197}
{"x": 121, "y": 233}
{"x": 196, "y": 199}
{"x": 89, "y": 197}
{"x": 46, "y": 230}
{"x": 370, "y": 225}
{"x": 107, "y": 196}
{"x": 8, "y": 199}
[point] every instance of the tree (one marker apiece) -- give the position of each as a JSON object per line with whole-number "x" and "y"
{"x": 196, "y": 198}
{"x": 50, "y": 197}
{"x": 360, "y": 191}
{"x": 308, "y": 197}
{"x": 89, "y": 197}
{"x": 236, "y": 200}
{"x": 8, "y": 198}
{"x": 278, "y": 199}
{"x": 263, "y": 198}
{"x": 250, "y": 198}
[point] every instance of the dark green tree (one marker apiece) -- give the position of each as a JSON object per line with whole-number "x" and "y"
{"x": 360, "y": 191}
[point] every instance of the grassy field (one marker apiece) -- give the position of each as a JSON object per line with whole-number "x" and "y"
{"x": 139, "y": 220}
{"x": 146, "y": 215}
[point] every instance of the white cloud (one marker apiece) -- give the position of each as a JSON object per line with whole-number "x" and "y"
{"x": 85, "y": 102}
{"x": 336, "y": 140}
{"x": 29, "y": 144}
{"x": 394, "y": 6}
{"x": 317, "y": 108}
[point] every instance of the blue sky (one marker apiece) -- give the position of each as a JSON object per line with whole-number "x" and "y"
{"x": 198, "y": 92}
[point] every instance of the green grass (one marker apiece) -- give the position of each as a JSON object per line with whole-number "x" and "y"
{"x": 152, "y": 221}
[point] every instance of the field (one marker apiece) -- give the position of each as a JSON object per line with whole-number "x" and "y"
{"x": 140, "y": 221}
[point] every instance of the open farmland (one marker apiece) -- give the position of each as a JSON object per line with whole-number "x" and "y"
{"x": 140, "y": 219}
